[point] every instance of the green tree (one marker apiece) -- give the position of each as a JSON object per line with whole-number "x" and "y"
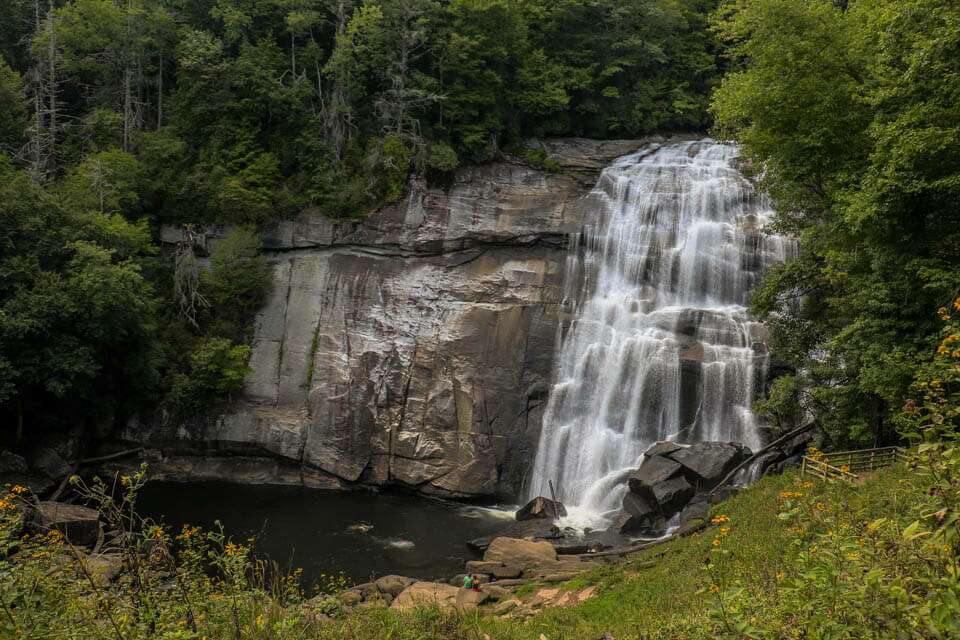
{"x": 238, "y": 281}
{"x": 76, "y": 319}
{"x": 217, "y": 369}
{"x": 851, "y": 113}
{"x": 13, "y": 112}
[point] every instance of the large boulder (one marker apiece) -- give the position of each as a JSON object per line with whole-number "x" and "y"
{"x": 671, "y": 495}
{"x": 706, "y": 463}
{"x": 664, "y": 448}
{"x": 80, "y": 525}
{"x": 393, "y": 585}
{"x": 497, "y": 569}
{"x": 652, "y": 471}
{"x": 641, "y": 516}
{"x": 531, "y": 529}
{"x": 468, "y": 600}
{"x": 639, "y": 507}
{"x": 541, "y": 508}
{"x": 426, "y": 594}
{"x": 522, "y": 554}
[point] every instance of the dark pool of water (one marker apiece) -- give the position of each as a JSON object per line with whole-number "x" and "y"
{"x": 316, "y": 530}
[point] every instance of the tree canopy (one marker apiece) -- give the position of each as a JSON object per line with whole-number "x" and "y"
{"x": 850, "y": 112}
{"x": 118, "y": 117}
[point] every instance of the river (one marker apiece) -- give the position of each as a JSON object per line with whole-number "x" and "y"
{"x": 325, "y": 532}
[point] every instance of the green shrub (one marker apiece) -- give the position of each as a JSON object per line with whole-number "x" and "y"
{"x": 217, "y": 369}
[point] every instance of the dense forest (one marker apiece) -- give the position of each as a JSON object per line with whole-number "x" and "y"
{"x": 119, "y": 116}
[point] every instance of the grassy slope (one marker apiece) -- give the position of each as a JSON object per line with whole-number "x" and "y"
{"x": 661, "y": 593}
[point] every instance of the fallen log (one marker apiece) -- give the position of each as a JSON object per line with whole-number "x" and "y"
{"x": 86, "y": 461}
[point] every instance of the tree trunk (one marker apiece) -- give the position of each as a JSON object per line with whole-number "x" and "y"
{"x": 160, "y": 92}
{"x": 127, "y": 109}
{"x": 52, "y": 79}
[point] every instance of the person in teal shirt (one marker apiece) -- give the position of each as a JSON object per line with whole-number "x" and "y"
{"x": 468, "y": 581}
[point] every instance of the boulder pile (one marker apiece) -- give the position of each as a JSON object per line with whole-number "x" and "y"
{"x": 674, "y": 479}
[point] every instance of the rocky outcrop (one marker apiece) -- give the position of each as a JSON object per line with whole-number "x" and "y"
{"x": 674, "y": 479}
{"x": 410, "y": 348}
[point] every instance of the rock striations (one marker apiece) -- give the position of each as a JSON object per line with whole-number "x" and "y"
{"x": 412, "y": 348}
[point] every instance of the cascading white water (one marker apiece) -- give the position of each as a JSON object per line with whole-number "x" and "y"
{"x": 660, "y": 346}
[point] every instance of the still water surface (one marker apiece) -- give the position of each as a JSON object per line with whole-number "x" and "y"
{"x": 361, "y": 534}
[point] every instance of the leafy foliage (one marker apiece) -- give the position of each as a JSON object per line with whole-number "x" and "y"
{"x": 121, "y": 119}
{"x": 848, "y": 112}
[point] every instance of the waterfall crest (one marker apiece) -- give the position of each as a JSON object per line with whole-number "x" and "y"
{"x": 660, "y": 345}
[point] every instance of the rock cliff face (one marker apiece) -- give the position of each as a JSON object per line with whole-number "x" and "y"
{"x": 412, "y": 348}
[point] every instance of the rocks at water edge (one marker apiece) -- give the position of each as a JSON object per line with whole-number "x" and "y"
{"x": 79, "y": 525}
{"x": 393, "y": 585}
{"x": 534, "y": 529}
{"x": 541, "y": 508}
{"x": 520, "y": 553}
{"x": 528, "y": 558}
{"x": 426, "y": 594}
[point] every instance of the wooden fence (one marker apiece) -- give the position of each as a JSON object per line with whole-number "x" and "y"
{"x": 848, "y": 465}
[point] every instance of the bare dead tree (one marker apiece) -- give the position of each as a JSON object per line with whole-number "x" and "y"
{"x": 52, "y": 84}
{"x": 337, "y": 112}
{"x": 186, "y": 278}
{"x": 41, "y": 85}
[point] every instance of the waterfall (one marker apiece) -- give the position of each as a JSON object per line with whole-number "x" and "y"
{"x": 660, "y": 345}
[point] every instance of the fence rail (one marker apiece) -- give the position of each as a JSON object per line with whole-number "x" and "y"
{"x": 847, "y": 465}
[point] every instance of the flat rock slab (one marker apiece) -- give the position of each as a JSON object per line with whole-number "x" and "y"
{"x": 80, "y": 525}
{"x": 429, "y": 594}
{"x": 536, "y": 529}
{"x": 524, "y": 554}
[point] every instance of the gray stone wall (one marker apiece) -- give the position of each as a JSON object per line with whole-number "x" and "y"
{"x": 411, "y": 348}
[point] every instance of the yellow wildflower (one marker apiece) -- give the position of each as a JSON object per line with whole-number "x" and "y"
{"x": 716, "y": 542}
{"x": 714, "y": 588}
{"x": 18, "y": 489}
{"x": 779, "y": 576}
{"x": 720, "y": 519}
{"x": 820, "y": 506}
{"x": 724, "y": 530}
